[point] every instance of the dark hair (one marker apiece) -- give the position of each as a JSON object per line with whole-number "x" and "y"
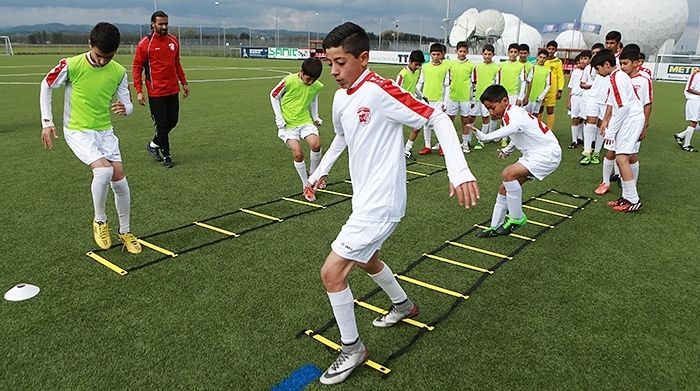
{"x": 577, "y": 58}
{"x": 543, "y": 51}
{"x": 642, "y": 56}
{"x": 351, "y": 37}
{"x": 585, "y": 53}
{"x": 524, "y": 46}
{"x": 598, "y": 45}
{"x": 552, "y": 43}
{"x": 494, "y": 94}
{"x": 629, "y": 54}
{"x": 613, "y": 36}
{"x": 158, "y": 14}
{"x": 312, "y": 67}
{"x": 105, "y": 36}
{"x": 633, "y": 46}
{"x": 514, "y": 46}
{"x": 488, "y": 47}
{"x": 462, "y": 44}
{"x": 416, "y": 56}
{"x": 436, "y": 47}
{"x": 602, "y": 57}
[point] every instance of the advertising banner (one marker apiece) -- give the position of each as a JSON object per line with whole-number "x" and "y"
{"x": 253, "y": 52}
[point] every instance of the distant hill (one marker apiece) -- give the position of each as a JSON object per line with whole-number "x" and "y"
{"x": 133, "y": 28}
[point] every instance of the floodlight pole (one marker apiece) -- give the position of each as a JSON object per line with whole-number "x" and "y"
{"x": 396, "y": 23}
{"x": 420, "y": 35}
{"x": 380, "y": 33}
{"x": 277, "y": 28}
{"x": 520, "y": 22}
{"x": 446, "y": 21}
{"x": 218, "y": 24}
{"x": 155, "y": 5}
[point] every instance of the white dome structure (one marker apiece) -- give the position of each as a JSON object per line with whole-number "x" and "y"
{"x": 571, "y": 39}
{"x": 528, "y": 35}
{"x": 463, "y": 26}
{"x": 648, "y": 23}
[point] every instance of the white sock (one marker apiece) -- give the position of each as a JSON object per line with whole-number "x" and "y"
{"x": 682, "y": 134}
{"x": 301, "y": 170}
{"x": 514, "y": 197}
{"x": 688, "y": 136}
{"x": 599, "y": 141}
{"x": 153, "y": 145}
{"x": 635, "y": 170}
{"x": 314, "y": 157}
{"x": 386, "y": 280}
{"x": 486, "y": 128}
{"x": 629, "y": 191}
{"x": 344, "y": 312}
{"x": 122, "y": 200}
{"x": 574, "y": 133}
{"x": 607, "y": 170}
{"x": 427, "y": 135}
{"x": 589, "y": 132}
{"x": 616, "y": 168}
{"x": 408, "y": 146}
{"x": 101, "y": 176}
{"x": 500, "y": 208}
{"x": 579, "y": 132}
{"x": 469, "y": 137}
{"x": 465, "y": 138}
{"x": 493, "y": 125}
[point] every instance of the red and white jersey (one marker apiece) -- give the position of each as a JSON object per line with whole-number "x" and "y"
{"x": 643, "y": 88}
{"x": 646, "y": 72}
{"x": 370, "y": 116}
{"x": 623, "y": 99}
{"x": 692, "y": 84}
{"x": 575, "y": 82}
{"x": 598, "y": 92}
{"x": 527, "y": 133}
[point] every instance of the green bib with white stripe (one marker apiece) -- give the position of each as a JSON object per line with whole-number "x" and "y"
{"x": 92, "y": 89}
{"x": 540, "y": 74}
{"x": 434, "y": 80}
{"x": 297, "y": 99}
{"x": 461, "y": 80}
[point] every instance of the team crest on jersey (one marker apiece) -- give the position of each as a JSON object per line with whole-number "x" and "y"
{"x": 363, "y": 115}
{"x": 171, "y": 46}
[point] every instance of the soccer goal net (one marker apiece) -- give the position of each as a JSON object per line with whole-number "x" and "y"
{"x": 675, "y": 67}
{"x": 8, "y": 45}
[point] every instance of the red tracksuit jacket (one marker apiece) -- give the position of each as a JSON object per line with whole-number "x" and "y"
{"x": 159, "y": 57}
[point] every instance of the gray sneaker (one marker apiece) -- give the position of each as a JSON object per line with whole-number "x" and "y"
{"x": 394, "y": 316}
{"x": 350, "y": 357}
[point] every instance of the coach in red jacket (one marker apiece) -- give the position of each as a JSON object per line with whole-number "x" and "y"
{"x": 158, "y": 55}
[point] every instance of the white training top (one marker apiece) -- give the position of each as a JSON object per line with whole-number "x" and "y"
{"x": 693, "y": 84}
{"x": 623, "y": 99}
{"x": 575, "y": 82}
{"x": 527, "y": 133}
{"x": 368, "y": 118}
{"x": 643, "y": 88}
{"x": 598, "y": 92}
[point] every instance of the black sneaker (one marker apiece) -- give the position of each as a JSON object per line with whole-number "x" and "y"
{"x": 168, "y": 162}
{"x": 154, "y": 152}
{"x": 689, "y": 148}
{"x": 488, "y": 233}
{"x": 573, "y": 145}
{"x": 615, "y": 178}
{"x": 679, "y": 140}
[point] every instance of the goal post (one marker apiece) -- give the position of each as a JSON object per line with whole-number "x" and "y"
{"x": 7, "y": 44}
{"x": 675, "y": 67}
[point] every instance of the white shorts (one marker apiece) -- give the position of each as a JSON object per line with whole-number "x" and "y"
{"x": 692, "y": 110}
{"x": 92, "y": 145}
{"x": 578, "y": 107}
{"x": 358, "y": 240}
{"x": 594, "y": 109}
{"x": 479, "y": 110}
{"x": 541, "y": 164}
{"x": 627, "y": 138}
{"x": 298, "y": 133}
{"x": 454, "y": 108}
{"x": 533, "y": 107}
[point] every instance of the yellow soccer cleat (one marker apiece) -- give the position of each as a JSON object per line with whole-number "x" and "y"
{"x": 100, "y": 231}
{"x": 130, "y": 243}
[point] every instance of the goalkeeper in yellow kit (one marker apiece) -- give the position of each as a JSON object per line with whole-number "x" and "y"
{"x": 557, "y": 73}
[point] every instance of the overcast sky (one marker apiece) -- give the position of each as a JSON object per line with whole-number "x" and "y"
{"x": 297, "y": 14}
